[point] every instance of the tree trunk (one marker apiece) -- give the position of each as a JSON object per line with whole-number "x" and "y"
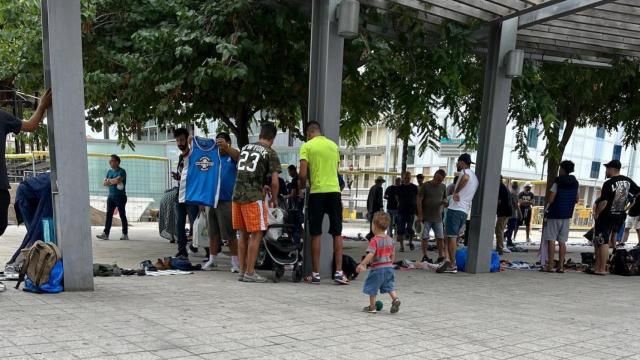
{"x": 17, "y": 145}
{"x": 405, "y": 153}
{"x": 553, "y": 164}
{"x": 242, "y": 127}
{"x": 105, "y": 129}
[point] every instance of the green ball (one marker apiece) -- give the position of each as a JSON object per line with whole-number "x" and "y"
{"x": 379, "y": 305}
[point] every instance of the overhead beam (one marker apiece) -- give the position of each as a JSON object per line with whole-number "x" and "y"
{"x": 544, "y": 12}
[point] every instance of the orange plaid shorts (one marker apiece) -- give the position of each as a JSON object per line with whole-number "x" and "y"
{"x": 251, "y": 217}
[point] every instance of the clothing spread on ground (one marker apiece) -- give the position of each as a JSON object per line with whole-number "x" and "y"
{"x": 504, "y": 202}
{"x": 116, "y": 190}
{"x": 616, "y": 191}
{"x": 8, "y": 124}
{"x": 382, "y": 248}
{"x": 432, "y": 198}
{"x": 256, "y": 162}
{"x": 390, "y": 195}
{"x": 466, "y": 194}
{"x": 200, "y": 179}
{"x": 407, "y": 198}
{"x": 323, "y": 157}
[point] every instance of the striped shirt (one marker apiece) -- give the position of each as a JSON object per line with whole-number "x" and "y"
{"x": 382, "y": 247}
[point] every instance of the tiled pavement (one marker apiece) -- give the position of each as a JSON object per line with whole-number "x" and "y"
{"x": 515, "y": 314}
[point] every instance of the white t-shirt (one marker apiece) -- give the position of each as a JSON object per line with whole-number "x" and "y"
{"x": 466, "y": 194}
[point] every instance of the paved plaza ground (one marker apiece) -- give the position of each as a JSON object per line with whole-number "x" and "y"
{"x": 513, "y": 314}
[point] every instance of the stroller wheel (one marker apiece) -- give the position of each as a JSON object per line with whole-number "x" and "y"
{"x": 277, "y": 274}
{"x": 296, "y": 274}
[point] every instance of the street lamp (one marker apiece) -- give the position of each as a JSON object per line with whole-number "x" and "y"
{"x": 348, "y": 15}
{"x": 513, "y": 63}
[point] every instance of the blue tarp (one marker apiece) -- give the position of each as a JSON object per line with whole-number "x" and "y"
{"x": 33, "y": 203}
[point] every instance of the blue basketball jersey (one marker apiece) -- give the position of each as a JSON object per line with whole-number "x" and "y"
{"x": 228, "y": 173}
{"x": 200, "y": 180}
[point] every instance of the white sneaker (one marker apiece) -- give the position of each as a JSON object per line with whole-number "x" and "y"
{"x": 235, "y": 270}
{"x": 506, "y": 250}
{"x": 210, "y": 266}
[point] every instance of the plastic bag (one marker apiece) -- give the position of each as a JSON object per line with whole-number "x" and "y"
{"x": 275, "y": 216}
{"x": 461, "y": 260}
{"x": 53, "y": 286}
{"x": 200, "y": 233}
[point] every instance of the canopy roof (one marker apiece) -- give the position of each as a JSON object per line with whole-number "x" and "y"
{"x": 591, "y": 30}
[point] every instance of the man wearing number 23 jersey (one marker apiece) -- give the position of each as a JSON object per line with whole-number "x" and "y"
{"x": 249, "y": 211}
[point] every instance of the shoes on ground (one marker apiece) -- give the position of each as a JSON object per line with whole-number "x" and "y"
{"x": 210, "y": 266}
{"x": 103, "y": 236}
{"x": 254, "y": 278}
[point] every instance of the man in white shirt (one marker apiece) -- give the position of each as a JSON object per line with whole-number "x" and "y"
{"x": 458, "y": 211}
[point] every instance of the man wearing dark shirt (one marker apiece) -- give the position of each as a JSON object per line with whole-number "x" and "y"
{"x": 610, "y": 212}
{"x": 407, "y": 200}
{"x": 632, "y": 222}
{"x": 10, "y": 124}
{"x": 374, "y": 203}
{"x": 503, "y": 213}
{"x": 392, "y": 204}
{"x": 526, "y": 203}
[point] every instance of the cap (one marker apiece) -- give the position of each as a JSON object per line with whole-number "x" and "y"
{"x": 465, "y": 158}
{"x": 613, "y": 164}
{"x": 380, "y": 179}
{"x": 528, "y": 185}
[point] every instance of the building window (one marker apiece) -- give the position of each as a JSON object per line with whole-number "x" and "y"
{"x": 617, "y": 152}
{"x": 369, "y": 136}
{"x": 595, "y": 169}
{"x": 366, "y": 181}
{"x": 411, "y": 155}
{"x": 600, "y": 133}
{"x": 367, "y": 160}
{"x": 532, "y": 138}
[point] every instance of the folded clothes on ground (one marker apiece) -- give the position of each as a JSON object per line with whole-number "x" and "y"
{"x": 168, "y": 272}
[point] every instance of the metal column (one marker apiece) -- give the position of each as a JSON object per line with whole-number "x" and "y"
{"x": 62, "y": 47}
{"x": 497, "y": 90}
{"x": 325, "y": 90}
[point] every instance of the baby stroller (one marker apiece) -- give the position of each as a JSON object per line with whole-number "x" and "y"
{"x": 278, "y": 250}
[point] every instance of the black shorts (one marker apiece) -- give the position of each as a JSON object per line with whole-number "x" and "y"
{"x": 321, "y": 204}
{"x": 526, "y": 215}
{"x": 604, "y": 227}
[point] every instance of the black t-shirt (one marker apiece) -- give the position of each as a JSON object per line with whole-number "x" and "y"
{"x": 293, "y": 185}
{"x": 390, "y": 195}
{"x": 526, "y": 196}
{"x": 407, "y": 194}
{"x": 635, "y": 209}
{"x": 8, "y": 124}
{"x": 504, "y": 205}
{"x": 616, "y": 192}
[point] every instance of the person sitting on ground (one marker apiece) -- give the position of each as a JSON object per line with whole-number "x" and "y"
{"x": 248, "y": 209}
{"x": 610, "y": 212}
{"x": 116, "y": 181}
{"x": 319, "y": 159}
{"x": 380, "y": 254}
{"x": 563, "y": 197}
{"x": 503, "y": 214}
{"x": 458, "y": 210}
{"x": 407, "y": 205}
{"x": 432, "y": 198}
{"x": 526, "y": 205}
{"x": 374, "y": 203}
{"x": 219, "y": 224}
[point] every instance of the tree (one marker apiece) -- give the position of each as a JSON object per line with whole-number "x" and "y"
{"x": 185, "y": 61}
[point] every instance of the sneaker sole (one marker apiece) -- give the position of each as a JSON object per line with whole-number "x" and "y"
{"x": 395, "y": 307}
{"x": 341, "y": 282}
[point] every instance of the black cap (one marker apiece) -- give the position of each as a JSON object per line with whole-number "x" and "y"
{"x": 613, "y": 164}
{"x": 465, "y": 158}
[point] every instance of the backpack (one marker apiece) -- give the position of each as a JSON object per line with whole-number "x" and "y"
{"x": 349, "y": 266}
{"x": 622, "y": 263}
{"x": 39, "y": 259}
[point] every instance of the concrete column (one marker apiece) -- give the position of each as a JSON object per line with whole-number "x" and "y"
{"x": 325, "y": 90}
{"x": 62, "y": 47}
{"x": 497, "y": 90}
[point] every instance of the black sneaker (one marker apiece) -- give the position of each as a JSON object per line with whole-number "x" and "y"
{"x": 426, "y": 258}
{"x": 451, "y": 270}
{"x": 440, "y": 260}
{"x": 444, "y": 267}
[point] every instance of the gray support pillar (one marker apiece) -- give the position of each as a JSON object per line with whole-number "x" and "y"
{"x": 497, "y": 90}
{"x": 325, "y": 90}
{"x": 62, "y": 46}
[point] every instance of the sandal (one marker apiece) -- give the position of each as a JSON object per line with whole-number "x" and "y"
{"x": 395, "y": 306}
{"x": 370, "y": 310}
{"x": 560, "y": 271}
